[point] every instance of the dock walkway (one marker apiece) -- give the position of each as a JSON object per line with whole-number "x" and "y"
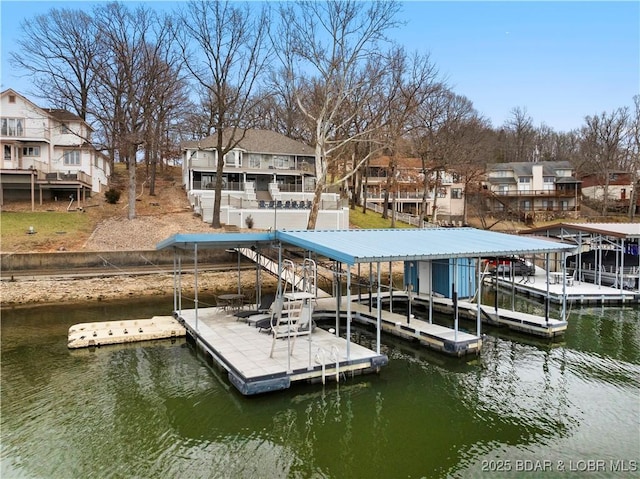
{"x": 244, "y": 352}
{"x": 433, "y": 336}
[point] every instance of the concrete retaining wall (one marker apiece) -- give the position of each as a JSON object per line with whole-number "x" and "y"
{"x": 10, "y": 262}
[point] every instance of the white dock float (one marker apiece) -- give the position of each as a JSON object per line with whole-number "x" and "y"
{"x": 244, "y": 352}
{"x": 522, "y": 322}
{"x": 86, "y": 335}
{"x": 433, "y": 336}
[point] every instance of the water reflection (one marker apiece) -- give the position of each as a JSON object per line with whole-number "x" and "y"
{"x": 159, "y": 410}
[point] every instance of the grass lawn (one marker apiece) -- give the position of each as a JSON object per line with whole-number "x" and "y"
{"x": 48, "y": 228}
{"x": 372, "y": 220}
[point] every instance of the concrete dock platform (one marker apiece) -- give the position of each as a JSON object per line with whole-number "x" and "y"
{"x": 244, "y": 352}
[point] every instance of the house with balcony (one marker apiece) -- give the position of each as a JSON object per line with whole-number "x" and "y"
{"x": 47, "y": 154}
{"x": 526, "y": 191}
{"x": 267, "y": 176}
{"x": 404, "y": 179}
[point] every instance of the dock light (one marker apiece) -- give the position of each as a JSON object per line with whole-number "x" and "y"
{"x": 332, "y": 330}
{"x": 31, "y": 230}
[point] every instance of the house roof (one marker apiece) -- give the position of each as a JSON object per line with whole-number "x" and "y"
{"x": 59, "y": 114}
{"x": 62, "y": 115}
{"x": 383, "y": 161}
{"x": 525, "y": 168}
{"x": 366, "y": 246}
{"x": 617, "y": 230}
{"x": 256, "y": 141}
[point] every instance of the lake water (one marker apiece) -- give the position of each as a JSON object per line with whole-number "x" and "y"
{"x": 157, "y": 409}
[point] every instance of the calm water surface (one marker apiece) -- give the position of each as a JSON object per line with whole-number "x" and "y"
{"x": 157, "y": 410}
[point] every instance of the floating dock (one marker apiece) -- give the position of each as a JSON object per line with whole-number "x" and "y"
{"x": 578, "y": 291}
{"x": 86, "y": 335}
{"x": 522, "y": 322}
{"x": 244, "y": 352}
{"x": 433, "y": 336}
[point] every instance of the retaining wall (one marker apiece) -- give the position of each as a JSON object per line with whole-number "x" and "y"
{"x": 14, "y": 262}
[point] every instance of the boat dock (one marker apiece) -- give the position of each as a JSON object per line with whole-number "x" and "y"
{"x": 246, "y": 353}
{"x": 433, "y": 336}
{"x": 515, "y": 320}
{"x": 86, "y": 335}
{"x": 577, "y": 291}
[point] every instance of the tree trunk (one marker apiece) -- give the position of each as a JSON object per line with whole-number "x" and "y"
{"x": 131, "y": 162}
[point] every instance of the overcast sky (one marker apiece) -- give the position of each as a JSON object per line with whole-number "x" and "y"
{"x": 561, "y": 61}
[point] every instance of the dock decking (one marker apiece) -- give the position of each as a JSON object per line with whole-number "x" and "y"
{"x": 244, "y": 352}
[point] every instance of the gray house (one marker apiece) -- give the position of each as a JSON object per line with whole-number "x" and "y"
{"x": 267, "y": 176}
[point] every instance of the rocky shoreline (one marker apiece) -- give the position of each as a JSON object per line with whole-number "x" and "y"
{"x": 48, "y": 291}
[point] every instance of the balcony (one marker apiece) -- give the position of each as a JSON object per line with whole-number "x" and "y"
{"x": 536, "y": 193}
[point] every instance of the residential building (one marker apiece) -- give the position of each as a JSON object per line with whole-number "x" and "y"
{"x": 619, "y": 189}
{"x": 47, "y": 153}
{"x": 267, "y": 176}
{"x": 525, "y": 190}
{"x": 405, "y": 178}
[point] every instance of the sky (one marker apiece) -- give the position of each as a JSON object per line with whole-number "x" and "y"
{"x": 557, "y": 61}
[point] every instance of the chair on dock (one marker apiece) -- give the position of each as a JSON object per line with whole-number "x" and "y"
{"x": 298, "y": 321}
{"x": 263, "y": 308}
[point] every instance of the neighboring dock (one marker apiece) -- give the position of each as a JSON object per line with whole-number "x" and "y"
{"x": 244, "y": 352}
{"x": 86, "y": 335}
{"x": 577, "y": 291}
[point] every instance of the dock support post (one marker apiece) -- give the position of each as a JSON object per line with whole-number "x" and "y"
{"x": 564, "y": 286}
{"x": 175, "y": 282}
{"x": 390, "y": 287}
{"x": 479, "y": 298}
{"x": 379, "y": 315}
{"x": 430, "y": 276}
{"x": 195, "y": 280}
{"x": 180, "y": 283}
{"x": 546, "y": 299}
{"x": 348, "y": 313}
{"x": 455, "y": 300}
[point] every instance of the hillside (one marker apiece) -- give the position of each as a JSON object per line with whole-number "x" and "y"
{"x": 103, "y": 226}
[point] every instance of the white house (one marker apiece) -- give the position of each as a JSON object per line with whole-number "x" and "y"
{"x": 47, "y": 153}
{"x": 267, "y": 176}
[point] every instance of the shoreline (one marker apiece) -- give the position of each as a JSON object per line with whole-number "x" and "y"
{"x": 26, "y": 293}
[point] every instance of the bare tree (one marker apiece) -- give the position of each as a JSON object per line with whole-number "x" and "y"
{"x": 603, "y": 147}
{"x": 58, "y": 51}
{"x": 521, "y": 136}
{"x": 129, "y": 66}
{"x": 225, "y": 49}
{"x": 326, "y": 43}
{"x": 634, "y": 154}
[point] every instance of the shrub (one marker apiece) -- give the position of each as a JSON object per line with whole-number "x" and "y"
{"x": 112, "y": 195}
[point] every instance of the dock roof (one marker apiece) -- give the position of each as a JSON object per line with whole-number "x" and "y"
{"x": 617, "y": 230}
{"x": 367, "y": 246}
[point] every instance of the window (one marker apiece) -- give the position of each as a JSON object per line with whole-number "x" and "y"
{"x": 72, "y": 158}
{"x": 442, "y": 192}
{"x": 524, "y": 183}
{"x": 12, "y": 127}
{"x": 64, "y": 129}
{"x": 254, "y": 160}
{"x": 281, "y": 162}
{"x": 30, "y": 151}
{"x": 456, "y": 193}
{"x": 525, "y": 205}
{"x": 12, "y": 98}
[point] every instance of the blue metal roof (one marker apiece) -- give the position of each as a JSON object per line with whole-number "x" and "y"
{"x": 366, "y": 246}
{"x": 215, "y": 240}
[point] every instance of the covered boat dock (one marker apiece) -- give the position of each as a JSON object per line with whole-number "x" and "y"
{"x": 457, "y": 249}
